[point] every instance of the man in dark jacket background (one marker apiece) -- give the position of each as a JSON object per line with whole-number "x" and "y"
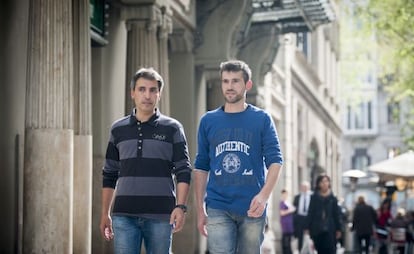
{"x": 363, "y": 222}
{"x": 301, "y": 202}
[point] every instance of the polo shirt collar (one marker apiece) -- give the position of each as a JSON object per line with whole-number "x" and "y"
{"x": 152, "y": 121}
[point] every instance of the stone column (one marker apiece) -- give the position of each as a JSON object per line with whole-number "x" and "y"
{"x": 48, "y": 155}
{"x": 82, "y": 185}
{"x": 142, "y": 43}
{"x": 164, "y": 30}
{"x": 182, "y": 86}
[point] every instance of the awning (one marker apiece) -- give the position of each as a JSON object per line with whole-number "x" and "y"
{"x": 397, "y": 167}
{"x": 293, "y": 15}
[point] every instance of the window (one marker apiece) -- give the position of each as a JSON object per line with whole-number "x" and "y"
{"x": 302, "y": 43}
{"x": 393, "y": 113}
{"x": 360, "y": 159}
{"x": 369, "y": 115}
{"x": 300, "y": 126}
{"x": 360, "y": 117}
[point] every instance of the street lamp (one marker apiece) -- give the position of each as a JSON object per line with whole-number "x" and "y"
{"x": 354, "y": 175}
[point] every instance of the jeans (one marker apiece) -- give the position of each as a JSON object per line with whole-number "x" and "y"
{"x": 325, "y": 242}
{"x": 364, "y": 248}
{"x": 229, "y": 233}
{"x": 129, "y": 232}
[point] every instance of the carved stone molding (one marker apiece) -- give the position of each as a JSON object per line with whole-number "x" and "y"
{"x": 218, "y": 23}
{"x": 149, "y": 16}
{"x": 265, "y": 38}
{"x": 181, "y": 40}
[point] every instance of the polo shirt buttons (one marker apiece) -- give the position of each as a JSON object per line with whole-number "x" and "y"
{"x": 140, "y": 134}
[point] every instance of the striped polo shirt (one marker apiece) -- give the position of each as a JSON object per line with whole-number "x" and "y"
{"x": 142, "y": 161}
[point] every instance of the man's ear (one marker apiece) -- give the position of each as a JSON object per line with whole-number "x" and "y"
{"x": 249, "y": 85}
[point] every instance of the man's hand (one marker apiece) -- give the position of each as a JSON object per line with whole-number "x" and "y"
{"x": 202, "y": 223}
{"x": 257, "y": 206}
{"x": 177, "y": 219}
{"x": 338, "y": 234}
{"x": 106, "y": 228}
{"x": 106, "y": 221}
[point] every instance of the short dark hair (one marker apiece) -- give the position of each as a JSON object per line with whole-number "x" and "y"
{"x": 147, "y": 73}
{"x": 319, "y": 180}
{"x": 235, "y": 66}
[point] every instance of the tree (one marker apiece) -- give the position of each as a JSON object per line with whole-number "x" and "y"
{"x": 358, "y": 54}
{"x": 392, "y": 22}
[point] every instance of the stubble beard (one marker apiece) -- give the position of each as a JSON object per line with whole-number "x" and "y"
{"x": 233, "y": 100}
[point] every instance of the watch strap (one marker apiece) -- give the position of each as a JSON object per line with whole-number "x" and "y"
{"x": 182, "y": 207}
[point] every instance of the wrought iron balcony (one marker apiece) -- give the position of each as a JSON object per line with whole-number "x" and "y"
{"x": 293, "y": 15}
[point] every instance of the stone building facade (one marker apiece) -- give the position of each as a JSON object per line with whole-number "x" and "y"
{"x": 301, "y": 93}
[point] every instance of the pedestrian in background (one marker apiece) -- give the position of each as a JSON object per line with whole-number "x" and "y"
{"x": 286, "y": 210}
{"x": 237, "y": 142}
{"x": 410, "y": 233}
{"x": 343, "y": 219}
{"x": 147, "y": 160}
{"x": 399, "y": 223}
{"x": 322, "y": 222}
{"x": 363, "y": 222}
{"x": 384, "y": 218}
{"x": 301, "y": 203}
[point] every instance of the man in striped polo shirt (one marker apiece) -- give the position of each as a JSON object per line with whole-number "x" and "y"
{"x": 147, "y": 161}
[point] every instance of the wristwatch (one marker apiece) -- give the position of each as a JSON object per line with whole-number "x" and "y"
{"x": 182, "y": 207}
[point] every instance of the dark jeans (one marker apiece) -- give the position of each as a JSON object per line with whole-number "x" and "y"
{"x": 364, "y": 247}
{"x": 299, "y": 222}
{"x": 325, "y": 243}
{"x": 382, "y": 247}
{"x": 286, "y": 243}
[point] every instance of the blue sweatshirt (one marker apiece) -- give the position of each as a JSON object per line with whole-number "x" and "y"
{"x": 236, "y": 149}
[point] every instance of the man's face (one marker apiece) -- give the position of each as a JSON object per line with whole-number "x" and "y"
{"x": 145, "y": 95}
{"x": 304, "y": 188}
{"x": 233, "y": 86}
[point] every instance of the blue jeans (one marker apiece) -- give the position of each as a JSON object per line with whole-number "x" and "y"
{"x": 129, "y": 232}
{"x": 229, "y": 233}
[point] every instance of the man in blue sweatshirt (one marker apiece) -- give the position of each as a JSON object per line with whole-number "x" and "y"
{"x": 237, "y": 143}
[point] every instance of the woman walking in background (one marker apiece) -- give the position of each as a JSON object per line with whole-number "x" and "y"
{"x": 286, "y": 222}
{"x": 322, "y": 222}
{"x": 383, "y": 223}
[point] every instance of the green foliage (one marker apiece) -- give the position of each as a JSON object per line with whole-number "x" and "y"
{"x": 358, "y": 46}
{"x": 408, "y": 129}
{"x": 392, "y": 22}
